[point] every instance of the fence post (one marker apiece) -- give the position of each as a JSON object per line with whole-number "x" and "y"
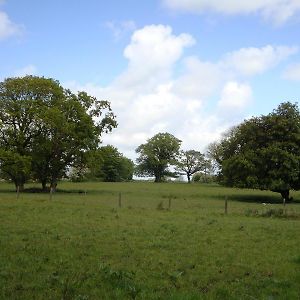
{"x": 120, "y": 200}
{"x": 18, "y": 191}
{"x": 170, "y": 201}
{"x": 226, "y": 205}
{"x": 51, "y": 192}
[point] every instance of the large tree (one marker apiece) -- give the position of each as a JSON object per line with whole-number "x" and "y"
{"x": 43, "y": 122}
{"x": 157, "y": 155}
{"x": 22, "y": 103}
{"x": 263, "y": 152}
{"x": 71, "y": 128}
{"x": 190, "y": 162}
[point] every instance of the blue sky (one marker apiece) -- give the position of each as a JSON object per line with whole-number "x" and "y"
{"x": 190, "y": 67}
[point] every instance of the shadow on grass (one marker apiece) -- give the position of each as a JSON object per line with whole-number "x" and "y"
{"x": 273, "y": 199}
{"x": 58, "y": 191}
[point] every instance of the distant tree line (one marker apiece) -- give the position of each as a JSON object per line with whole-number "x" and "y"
{"x": 261, "y": 153}
{"x": 47, "y": 133}
{"x": 161, "y": 158}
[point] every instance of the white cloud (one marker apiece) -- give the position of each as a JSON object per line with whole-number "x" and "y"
{"x": 277, "y": 11}
{"x": 148, "y": 97}
{"x": 27, "y": 70}
{"x": 292, "y": 72}
{"x": 234, "y": 97}
{"x": 200, "y": 79}
{"x": 119, "y": 29}
{"x": 7, "y": 27}
{"x": 252, "y": 61}
{"x": 152, "y": 52}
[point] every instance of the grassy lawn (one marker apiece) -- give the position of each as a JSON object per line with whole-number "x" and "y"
{"x": 84, "y": 246}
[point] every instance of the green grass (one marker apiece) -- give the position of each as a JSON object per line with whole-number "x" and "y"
{"x": 83, "y": 246}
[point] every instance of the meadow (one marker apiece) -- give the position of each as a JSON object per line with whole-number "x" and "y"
{"x": 142, "y": 240}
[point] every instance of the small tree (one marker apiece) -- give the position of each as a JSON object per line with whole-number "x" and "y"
{"x": 157, "y": 155}
{"x": 189, "y": 162}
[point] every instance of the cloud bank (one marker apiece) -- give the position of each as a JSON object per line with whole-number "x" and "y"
{"x": 196, "y": 104}
{"x": 276, "y": 11}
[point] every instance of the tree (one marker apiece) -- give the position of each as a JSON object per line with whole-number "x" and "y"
{"x": 22, "y": 103}
{"x": 263, "y": 152}
{"x": 156, "y": 156}
{"x": 189, "y": 162}
{"x": 41, "y": 120}
{"x": 108, "y": 164}
{"x": 70, "y": 128}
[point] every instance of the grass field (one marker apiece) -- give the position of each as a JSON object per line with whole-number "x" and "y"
{"x": 84, "y": 246}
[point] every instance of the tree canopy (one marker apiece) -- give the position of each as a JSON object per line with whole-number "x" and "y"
{"x": 263, "y": 152}
{"x": 157, "y": 155}
{"x": 108, "y": 164}
{"x": 47, "y": 127}
{"x": 190, "y": 162}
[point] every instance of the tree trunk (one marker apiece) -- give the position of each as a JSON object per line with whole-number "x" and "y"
{"x": 158, "y": 177}
{"x": 20, "y": 185}
{"x": 285, "y": 195}
{"x": 188, "y": 178}
{"x": 53, "y": 185}
{"x": 44, "y": 185}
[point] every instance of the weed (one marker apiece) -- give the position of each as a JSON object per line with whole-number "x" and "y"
{"x": 119, "y": 279}
{"x": 297, "y": 260}
{"x": 160, "y": 206}
{"x": 273, "y": 212}
{"x": 249, "y": 212}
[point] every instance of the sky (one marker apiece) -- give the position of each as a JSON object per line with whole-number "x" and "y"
{"x": 193, "y": 68}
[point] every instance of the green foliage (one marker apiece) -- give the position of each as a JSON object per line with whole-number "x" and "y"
{"x": 119, "y": 279}
{"x": 108, "y": 164}
{"x": 189, "y": 162}
{"x": 50, "y": 125}
{"x": 202, "y": 177}
{"x": 15, "y": 167}
{"x": 263, "y": 152}
{"x": 156, "y": 156}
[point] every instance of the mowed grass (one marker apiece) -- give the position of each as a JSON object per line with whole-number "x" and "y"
{"x": 84, "y": 246}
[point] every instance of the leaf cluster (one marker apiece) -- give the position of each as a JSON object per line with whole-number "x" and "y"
{"x": 263, "y": 152}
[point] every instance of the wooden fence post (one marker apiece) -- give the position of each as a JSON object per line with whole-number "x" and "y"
{"x": 18, "y": 191}
{"x": 51, "y": 192}
{"x": 226, "y": 205}
{"x": 170, "y": 201}
{"x": 120, "y": 200}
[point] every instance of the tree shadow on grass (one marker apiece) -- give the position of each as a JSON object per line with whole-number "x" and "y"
{"x": 273, "y": 199}
{"x": 35, "y": 190}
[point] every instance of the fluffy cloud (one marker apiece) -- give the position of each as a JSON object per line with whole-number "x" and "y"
{"x": 235, "y": 97}
{"x": 292, "y": 72}
{"x": 252, "y": 61}
{"x": 152, "y": 52}
{"x": 278, "y": 11}
{"x": 7, "y": 27}
{"x": 149, "y": 98}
